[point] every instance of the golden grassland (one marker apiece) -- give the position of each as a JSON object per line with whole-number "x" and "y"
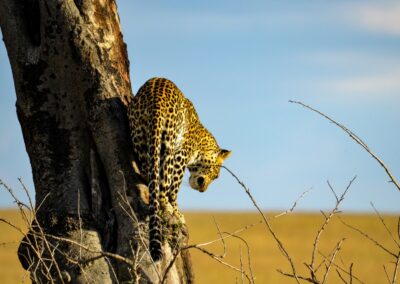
{"x": 296, "y": 231}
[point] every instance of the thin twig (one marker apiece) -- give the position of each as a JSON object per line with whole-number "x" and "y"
{"x": 337, "y": 249}
{"x": 295, "y": 276}
{"x": 26, "y": 193}
{"x": 293, "y": 206}
{"x": 350, "y": 273}
{"x": 357, "y": 139}
{"x": 270, "y": 230}
{"x": 324, "y": 260}
{"x": 396, "y": 269}
{"x": 224, "y": 237}
{"x": 386, "y": 274}
{"x": 218, "y": 259}
{"x": 368, "y": 237}
{"x": 327, "y": 220}
{"x": 248, "y": 256}
{"x": 241, "y": 265}
{"x": 340, "y": 276}
{"x": 221, "y": 237}
{"x": 384, "y": 224}
{"x": 12, "y": 225}
{"x": 100, "y": 253}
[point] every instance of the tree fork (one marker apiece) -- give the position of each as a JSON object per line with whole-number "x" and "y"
{"x": 71, "y": 76}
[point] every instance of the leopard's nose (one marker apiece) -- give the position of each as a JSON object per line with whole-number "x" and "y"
{"x": 200, "y": 181}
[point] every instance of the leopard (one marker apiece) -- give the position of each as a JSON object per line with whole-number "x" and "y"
{"x": 167, "y": 138}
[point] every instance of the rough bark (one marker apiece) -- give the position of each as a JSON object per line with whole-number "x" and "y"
{"x": 71, "y": 76}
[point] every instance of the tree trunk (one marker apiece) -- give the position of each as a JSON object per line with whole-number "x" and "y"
{"x": 71, "y": 76}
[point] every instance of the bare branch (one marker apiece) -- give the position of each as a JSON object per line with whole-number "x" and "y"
{"x": 356, "y": 139}
{"x": 295, "y": 276}
{"x": 270, "y": 230}
{"x": 12, "y": 225}
{"x": 241, "y": 265}
{"x": 293, "y": 206}
{"x": 396, "y": 269}
{"x": 228, "y": 235}
{"x": 213, "y": 256}
{"x": 333, "y": 191}
{"x": 350, "y": 272}
{"x": 368, "y": 237}
{"x": 384, "y": 224}
{"x": 221, "y": 237}
{"x": 26, "y": 192}
{"x": 100, "y": 253}
{"x": 327, "y": 220}
{"x": 340, "y": 276}
{"x": 248, "y": 256}
{"x": 325, "y": 259}
{"x": 386, "y": 274}
{"x": 337, "y": 248}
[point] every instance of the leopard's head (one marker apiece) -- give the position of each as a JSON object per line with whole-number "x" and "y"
{"x": 206, "y": 168}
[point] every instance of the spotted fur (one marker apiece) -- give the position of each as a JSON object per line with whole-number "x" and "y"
{"x": 168, "y": 137}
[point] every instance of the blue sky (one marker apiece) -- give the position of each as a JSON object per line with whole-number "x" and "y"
{"x": 240, "y": 62}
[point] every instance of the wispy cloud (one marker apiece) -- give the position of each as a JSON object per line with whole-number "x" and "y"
{"x": 380, "y": 17}
{"x": 369, "y": 89}
{"x": 370, "y": 76}
{"x": 195, "y": 22}
{"x": 385, "y": 85}
{"x": 352, "y": 57}
{"x": 265, "y": 17}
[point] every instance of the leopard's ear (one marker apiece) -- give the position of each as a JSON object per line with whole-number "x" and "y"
{"x": 223, "y": 154}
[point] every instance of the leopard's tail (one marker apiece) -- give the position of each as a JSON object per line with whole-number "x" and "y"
{"x": 155, "y": 225}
